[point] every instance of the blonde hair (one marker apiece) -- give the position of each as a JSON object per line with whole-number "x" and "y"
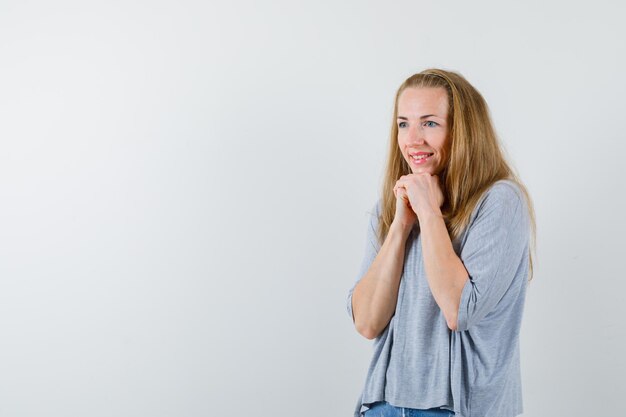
{"x": 474, "y": 163}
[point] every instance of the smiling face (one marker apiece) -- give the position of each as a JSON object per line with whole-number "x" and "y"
{"x": 423, "y": 128}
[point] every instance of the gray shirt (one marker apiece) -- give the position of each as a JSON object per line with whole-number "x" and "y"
{"x": 418, "y": 362}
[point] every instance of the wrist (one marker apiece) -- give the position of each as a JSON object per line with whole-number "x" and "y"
{"x": 429, "y": 216}
{"x": 399, "y": 227}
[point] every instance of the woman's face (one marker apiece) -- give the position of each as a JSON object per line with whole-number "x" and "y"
{"x": 423, "y": 128}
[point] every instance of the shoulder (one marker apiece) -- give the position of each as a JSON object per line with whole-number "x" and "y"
{"x": 376, "y": 208}
{"x": 503, "y": 200}
{"x": 372, "y": 214}
{"x": 502, "y": 193}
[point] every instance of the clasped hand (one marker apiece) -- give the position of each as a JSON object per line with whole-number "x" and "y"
{"x": 421, "y": 193}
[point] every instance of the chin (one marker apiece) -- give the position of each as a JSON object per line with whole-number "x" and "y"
{"x": 425, "y": 170}
{"x": 429, "y": 168}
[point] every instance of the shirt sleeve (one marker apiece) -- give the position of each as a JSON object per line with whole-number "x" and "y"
{"x": 495, "y": 247}
{"x": 371, "y": 250}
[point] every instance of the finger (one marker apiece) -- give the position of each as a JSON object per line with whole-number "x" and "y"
{"x": 399, "y": 192}
{"x": 403, "y": 194}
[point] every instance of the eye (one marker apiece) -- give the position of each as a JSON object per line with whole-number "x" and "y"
{"x": 433, "y": 123}
{"x": 402, "y": 125}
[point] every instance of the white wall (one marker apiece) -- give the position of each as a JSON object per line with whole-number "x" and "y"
{"x": 184, "y": 188}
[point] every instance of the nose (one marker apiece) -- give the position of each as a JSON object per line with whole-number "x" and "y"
{"x": 416, "y": 134}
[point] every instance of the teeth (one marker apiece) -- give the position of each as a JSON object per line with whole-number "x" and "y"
{"x": 417, "y": 158}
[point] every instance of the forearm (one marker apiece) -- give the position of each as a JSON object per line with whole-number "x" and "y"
{"x": 445, "y": 271}
{"x": 374, "y": 297}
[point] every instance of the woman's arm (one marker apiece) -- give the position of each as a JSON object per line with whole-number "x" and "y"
{"x": 445, "y": 272}
{"x": 375, "y": 295}
{"x": 468, "y": 287}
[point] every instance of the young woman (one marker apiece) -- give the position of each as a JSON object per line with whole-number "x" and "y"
{"x": 447, "y": 260}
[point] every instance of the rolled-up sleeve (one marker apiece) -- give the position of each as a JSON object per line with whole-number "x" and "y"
{"x": 371, "y": 250}
{"x": 494, "y": 248}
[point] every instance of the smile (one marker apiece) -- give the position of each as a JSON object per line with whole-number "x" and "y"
{"x": 420, "y": 159}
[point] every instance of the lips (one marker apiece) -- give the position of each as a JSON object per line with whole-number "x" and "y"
{"x": 420, "y": 157}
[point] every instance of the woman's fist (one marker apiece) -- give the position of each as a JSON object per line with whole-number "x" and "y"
{"x": 422, "y": 195}
{"x": 405, "y": 216}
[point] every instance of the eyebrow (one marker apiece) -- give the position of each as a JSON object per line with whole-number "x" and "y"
{"x": 421, "y": 117}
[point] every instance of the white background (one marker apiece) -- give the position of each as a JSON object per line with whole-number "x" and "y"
{"x": 184, "y": 188}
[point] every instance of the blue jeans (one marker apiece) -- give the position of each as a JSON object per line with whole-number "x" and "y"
{"x": 384, "y": 409}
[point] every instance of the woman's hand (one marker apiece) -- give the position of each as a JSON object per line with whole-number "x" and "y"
{"x": 405, "y": 217}
{"x": 423, "y": 193}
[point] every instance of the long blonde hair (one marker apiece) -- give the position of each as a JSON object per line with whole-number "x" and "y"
{"x": 474, "y": 163}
